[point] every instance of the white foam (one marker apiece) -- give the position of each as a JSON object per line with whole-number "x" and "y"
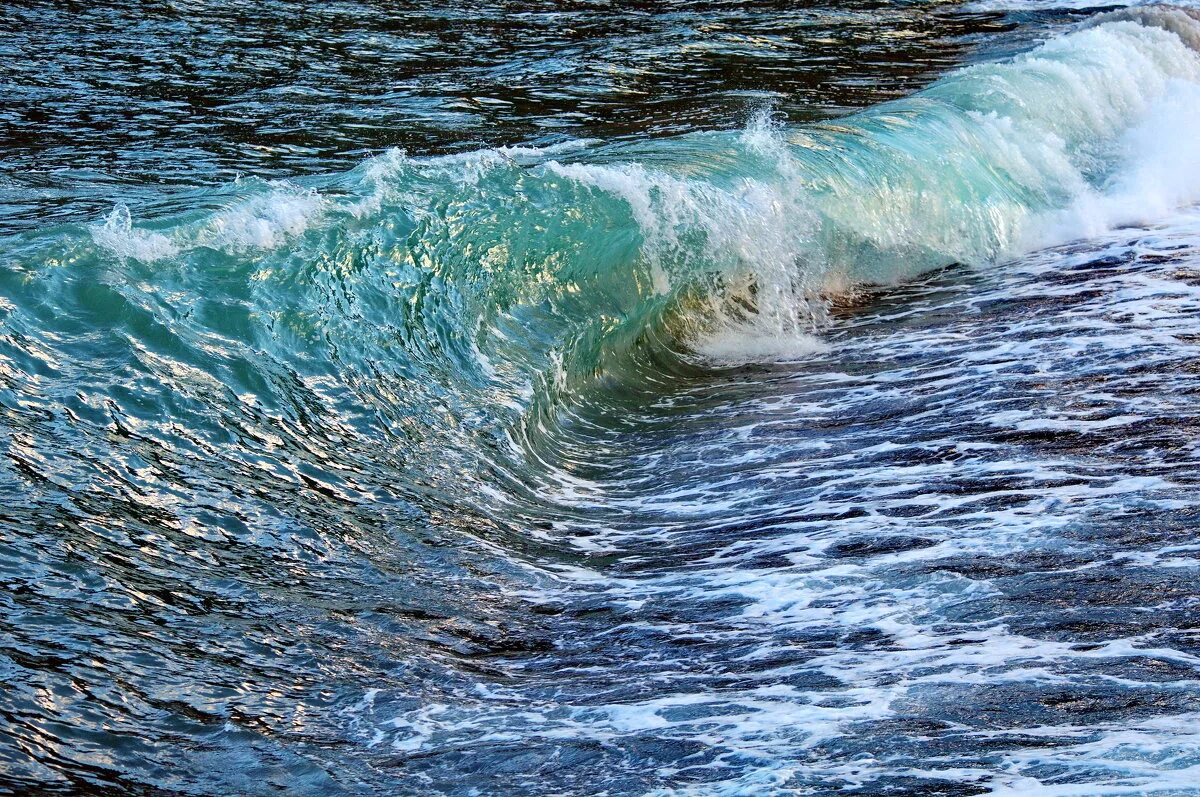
{"x": 119, "y": 236}
{"x": 752, "y": 343}
{"x": 1159, "y": 172}
{"x": 265, "y": 221}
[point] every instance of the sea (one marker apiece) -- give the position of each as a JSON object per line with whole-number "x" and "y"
{"x": 673, "y": 398}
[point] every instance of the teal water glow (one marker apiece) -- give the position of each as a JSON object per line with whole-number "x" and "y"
{"x": 491, "y": 282}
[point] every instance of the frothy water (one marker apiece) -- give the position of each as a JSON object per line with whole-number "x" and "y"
{"x": 848, "y": 455}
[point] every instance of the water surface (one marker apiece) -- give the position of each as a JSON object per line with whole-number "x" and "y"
{"x": 689, "y": 398}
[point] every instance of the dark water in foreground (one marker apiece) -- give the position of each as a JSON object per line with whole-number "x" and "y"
{"x": 573, "y": 451}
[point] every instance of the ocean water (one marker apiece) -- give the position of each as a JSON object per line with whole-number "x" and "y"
{"x": 687, "y": 398}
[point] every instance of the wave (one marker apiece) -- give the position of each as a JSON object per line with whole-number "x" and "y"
{"x": 472, "y": 301}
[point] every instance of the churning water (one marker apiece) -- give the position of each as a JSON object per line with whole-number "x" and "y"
{"x": 689, "y": 398}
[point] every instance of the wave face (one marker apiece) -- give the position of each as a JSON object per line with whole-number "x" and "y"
{"x": 728, "y": 462}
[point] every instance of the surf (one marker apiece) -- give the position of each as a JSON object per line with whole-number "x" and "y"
{"x": 508, "y": 285}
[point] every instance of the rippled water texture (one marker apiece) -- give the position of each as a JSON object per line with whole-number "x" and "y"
{"x": 664, "y": 399}
{"x": 122, "y": 100}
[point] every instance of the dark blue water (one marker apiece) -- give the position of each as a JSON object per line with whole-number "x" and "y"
{"x": 646, "y": 399}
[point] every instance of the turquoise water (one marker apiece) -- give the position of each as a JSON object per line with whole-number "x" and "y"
{"x": 813, "y": 419}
